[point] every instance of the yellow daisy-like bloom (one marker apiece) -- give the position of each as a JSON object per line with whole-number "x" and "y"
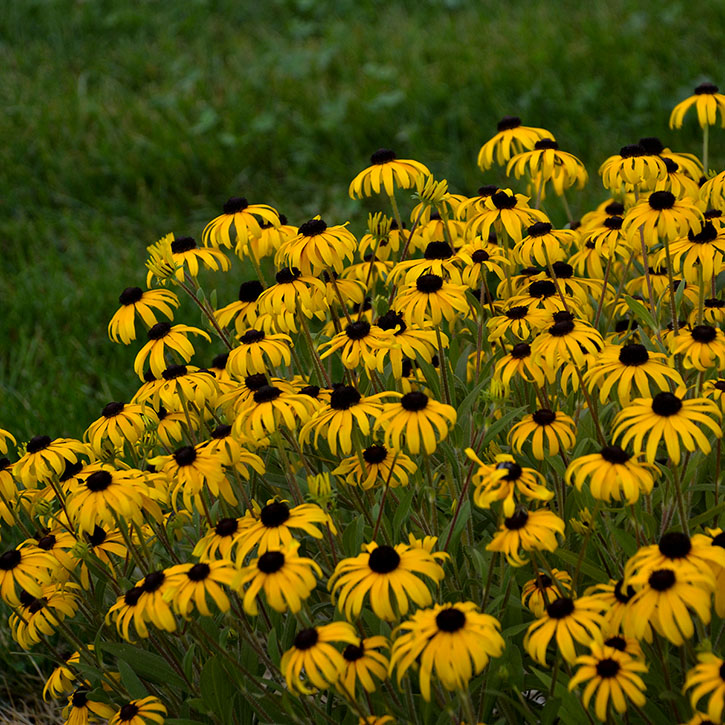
{"x": 258, "y": 352}
{"x": 146, "y": 602}
{"x": 134, "y": 302}
{"x": 171, "y": 427}
{"x": 678, "y": 181}
{"x": 670, "y": 418}
{"x": 707, "y": 102}
{"x": 568, "y": 340}
{"x": 702, "y": 347}
{"x": 38, "y": 617}
{"x": 244, "y": 311}
{"x": 381, "y": 466}
{"x": 312, "y": 658}
{"x": 245, "y": 218}
{"x": 25, "y": 568}
{"x": 512, "y": 138}
{"x": 661, "y": 216}
{"x": 609, "y": 239}
{"x": 101, "y": 543}
{"x": 542, "y": 294}
{"x": 712, "y": 192}
{"x": 59, "y": 543}
{"x": 317, "y": 247}
{"x": 544, "y": 245}
{"x": 379, "y": 572}
{"x": 387, "y": 172}
{"x": 593, "y": 219}
{"x": 230, "y": 451}
{"x": 335, "y": 420}
{"x": 81, "y": 711}
{"x": 186, "y": 256}
{"x": 485, "y": 258}
{"x": 541, "y": 591}
{"x": 432, "y": 299}
{"x": 45, "y": 457}
{"x": 708, "y": 678}
{"x": 146, "y": 711}
{"x": 191, "y": 586}
{"x": 507, "y": 210}
{"x": 363, "y": 664}
{"x": 182, "y": 384}
{"x": 631, "y": 167}
{"x": 690, "y": 165}
{"x": 163, "y": 336}
{"x": 624, "y": 367}
{"x": 568, "y": 620}
{"x": 360, "y": 342}
{"x": 409, "y": 341}
{"x": 62, "y": 678}
{"x": 269, "y": 240}
{"x": 662, "y": 599}
{"x": 713, "y": 313}
{"x": 270, "y": 528}
{"x": 527, "y": 530}
{"x": 522, "y": 321}
{"x": 550, "y": 431}
{"x": 519, "y": 363}
{"x": 120, "y": 423}
{"x": 612, "y": 474}
{"x": 503, "y": 479}
{"x": 221, "y": 541}
{"x": 612, "y": 675}
{"x": 453, "y": 641}
{"x": 292, "y": 294}
{"x": 336, "y": 287}
{"x": 286, "y": 579}
{"x": 415, "y": 422}
{"x": 545, "y": 161}
{"x": 6, "y": 436}
{"x": 716, "y": 537}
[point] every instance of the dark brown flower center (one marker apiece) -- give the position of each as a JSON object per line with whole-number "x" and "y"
{"x": 521, "y": 350}
{"x": 613, "y": 222}
{"x": 508, "y": 122}
{"x": 153, "y": 582}
{"x": 438, "y": 250}
{"x": 414, "y": 401}
{"x": 562, "y": 270}
{"x": 666, "y": 404}
{"x": 221, "y": 431}
{"x": 130, "y": 296}
{"x": 132, "y": 596}
{"x": 375, "y": 454}
{"x": 312, "y": 228}
{"x": 480, "y": 256}
{"x": 312, "y": 391}
{"x": 561, "y": 329}
{"x": 662, "y": 580}
{"x": 10, "y": 559}
{"x": 38, "y": 443}
{"x": 174, "y": 371}
{"x": 544, "y": 416}
{"x": 560, "y": 608}
{"x": 706, "y": 89}
{"x": 270, "y": 562}
{"x": 235, "y": 204}
{"x": 513, "y": 470}
{"x": 390, "y": 320}
{"x": 633, "y": 354}
{"x": 266, "y": 394}
{"x": 352, "y": 653}
{"x": 159, "y": 330}
{"x": 631, "y": 151}
{"x": 502, "y": 200}
{"x": 703, "y": 334}
{"x": 382, "y": 156}
{"x": 619, "y": 643}
{"x": 429, "y": 283}
{"x": 358, "y": 330}
{"x": 539, "y": 229}
{"x": 344, "y": 397}
{"x": 450, "y": 620}
{"x": 675, "y": 545}
{"x": 128, "y": 712}
{"x": 287, "y": 276}
{"x": 183, "y": 244}
{"x": 608, "y": 668}
{"x": 614, "y": 208}
{"x": 615, "y": 455}
{"x": 199, "y": 572}
{"x": 47, "y": 542}
{"x": 652, "y": 145}
{"x": 112, "y": 409}
{"x": 306, "y": 639}
{"x": 79, "y": 698}
{"x": 252, "y": 336}
{"x": 250, "y": 291}
{"x": 517, "y": 313}
{"x": 542, "y": 288}
{"x": 546, "y": 143}
{"x": 185, "y": 456}
{"x": 274, "y": 514}
{"x": 517, "y": 521}
{"x": 99, "y": 481}
{"x": 659, "y": 200}
{"x": 384, "y": 559}
{"x": 226, "y": 527}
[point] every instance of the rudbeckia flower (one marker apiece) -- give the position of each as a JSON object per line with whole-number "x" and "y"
{"x": 387, "y": 172}
{"x": 662, "y": 217}
{"x": 119, "y": 423}
{"x": 101, "y": 543}
{"x": 520, "y": 363}
{"x": 312, "y": 658}
{"x": 245, "y": 218}
{"x": 258, "y": 351}
{"x": 550, "y": 432}
{"x": 544, "y": 244}
{"x": 186, "y": 257}
{"x": 715, "y": 390}
{"x": 269, "y": 409}
{"x": 409, "y": 341}
{"x": 381, "y": 466}
{"x": 135, "y": 301}
{"x": 708, "y": 678}
{"x": 45, "y": 457}
{"x": 668, "y": 417}
{"x": 568, "y": 620}
{"x": 163, "y": 337}
{"x": 439, "y": 258}
{"x": 545, "y": 161}
{"x": 713, "y": 313}
{"x": 382, "y": 571}
{"x": 541, "y": 295}
{"x": 512, "y": 138}
{"x": 712, "y": 192}
{"x": 25, "y": 568}
{"x": 360, "y": 343}
{"x": 286, "y": 579}
{"x": 38, "y": 617}
{"x": 62, "y": 679}
{"x": 243, "y": 311}
{"x": 506, "y": 210}
{"x": 612, "y": 675}
{"x": 269, "y": 240}
{"x": 485, "y": 258}
{"x": 527, "y": 530}
{"x": 608, "y": 239}
{"x": 537, "y": 593}
{"x": 522, "y": 321}
{"x": 81, "y": 711}
{"x": 293, "y": 293}
{"x": 192, "y": 585}
{"x": 702, "y": 347}
{"x": 363, "y": 664}
{"x": 568, "y": 339}
{"x": 146, "y": 711}
{"x": 453, "y": 641}
{"x": 432, "y": 299}
{"x": 220, "y": 541}
{"x": 707, "y": 100}
{"x": 631, "y": 167}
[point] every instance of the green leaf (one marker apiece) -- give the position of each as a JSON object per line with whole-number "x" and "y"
{"x": 640, "y": 311}
{"x": 182, "y": 721}
{"x": 130, "y": 680}
{"x": 217, "y": 688}
{"x": 695, "y": 521}
{"x": 401, "y": 513}
{"x": 588, "y": 568}
{"x": 146, "y": 665}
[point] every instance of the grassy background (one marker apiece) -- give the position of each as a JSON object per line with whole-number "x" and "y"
{"x": 123, "y": 121}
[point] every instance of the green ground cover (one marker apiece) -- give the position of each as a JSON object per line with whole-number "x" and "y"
{"x": 123, "y": 121}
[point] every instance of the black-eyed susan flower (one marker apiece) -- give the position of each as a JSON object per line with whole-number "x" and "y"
{"x": 119, "y": 423}
{"x": 663, "y": 597}
{"x": 360, "y": 343}
{"x": 527, "y": 531}
{"x": 258, "y": 352}
{"x": 101, "y": 543}
{"x": 192, "y": 586}
{"x": 59, "y": 543}
{"x": 507, "y": 210}
{"x": 715, "y": 390}
{"x": 511, "y": 138}
{"x": 503, "y": 479}
{"x": 668, "y": 418}
{"x": 286, "y": 579}
{"x": 162, "y": 338}
{"x": 708, "y": 678}
{"x": 388, "y": 576}
{"x": 712, "y": 193}
{"x": 612, "y": 474}
{"x": 540, "y": 591}
{"x": 318, "y": 247}
{"x": 689, "y": 163}
{"x": 415, "y": 422}
{"x": 171, "y": 426}
{"x": 453, "y": 641}
{"x": 386, "y": 172}
{"x": 146, "y": 711}
{"x": 432, "y": 299}
{"x": 347, "y": 407}
{"x": 61, "y": 680}
{"x": 708, "y": 102}
{"x": 38, "y": 617}
{"x": 439, "y": 258}
{"x": 220, "y": 541}
{"x": 380, "y": 465}
{"x": 716, "y": 537}
{"x": 631, "y": 167}
{"x": 550, "y": 431}
{"x": 364, "y": 663}
{"x": 244, "y": 311}
{"x": 544, "y": 245}
{"x": 409, "y": 341}
{"x": 339, "y": 290}
{"x": 713, "y": 312}
{"x": 567, "y": 620}
{"x": 227, "y": 446}
{"x": 547, "y": 161}
{"x": 629, "y": 367}
{"x": 271, "y": 527}
{"x": 134, "y": 301}
{"x": 81, "y": 711}
{"x": 485, "y": 258}
{"x": 612, "y": 677}
{"x": 269, "y": 409}
{"x": 522, "y": 321}
{"x": 519, "y": 363}
{"x": 187, "y": 256}
{"x": 541, "y": 294}
{"x": 45, "y": 456}
{"x": 608, "y": 239}
{"x": 293, "y": 294}
{"x": 244, "y": 217}
{"x": 661, "y": 216}
{"x": 702, "y": 347}
{"x": 26, "y": 568}
{"x": 568, "y": 339}
{"x": 181, "y": 384}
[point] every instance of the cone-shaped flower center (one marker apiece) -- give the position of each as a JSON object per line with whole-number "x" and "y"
{"x": 429, "y": 283}
{"x": 287, "y": 276}
{"x": 256, "y": 381}
{"x": 159, "y": 330}
{"x": 99, "y": 481}
{"x": 375, "y": 454}
{"x": 250, "y": 291}
{"x": 438, "y": 250}
{"x": 174, "y": 371}
{"x": 619, "y": 643}
{"x": 130, "y": 296}
{"x": 546, "y": 143}
{"x": 450, "y": 620}
{"x": 560, "y": 608}
{"x": 521, "y": 350}
{"x": 539, "y": 229}
{"x": 221, "y": 431}
{"x": 153, "y": 582}
{"x": 652, "y": 145}
{"x": 706, "y": 89}
{"x": 382, "y": 156}
{"x": 675, "y": 545}
{"x": 185, "y": 456}
{"x": 614, "y": 454}
{"x": 112, "y": 409}
{"x": 344, "y": 397}
{"x": 513, "y": 470}
{"x": 666, "y": 404}
{"x": 502, "y": 200}
{"x": 613, "y": 222}
{"x": 132, "y": 596}
{"x": 358, "y": 330}
{"x": 633, "y": 354}
{"x": 608, "y": 668}
{"x": 183, "y": 244}
{"x": 352, "y": 653}
{"x": 235, "y": 204}
{"x": 631, "y": 151}
{"x": 312, "y": 228}
{"x": 38, "y": 443}
{"x": 384, "y": 559}
{"x": 274, "y": 514}
{"x": 226, "y": 527}
{"x": 517, "y": 521}
{"x": 544, "y": 416}
{"x": 414, "y": 401}
{"x": 614, "y": 208}
{"x": 128, "y": 712}
{"x": 659, "y": 200}
{"x": 542, "y": 288}
{"x": 703, "y": 333}
{"x": 662, "y": 580}
{"x": 266, "y": 394}
{"x": 306, "y": 639}
{"x": 480, "y": 256}
{"x": 252, "y": 336}
{"x": 9, "y": 560}
{"x": 199, "y": 572}
{"x": 508, "y": 122}
{"x": 270, "y": 562}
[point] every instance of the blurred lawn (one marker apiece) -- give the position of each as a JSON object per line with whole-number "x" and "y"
{"x": 125, "y": 120}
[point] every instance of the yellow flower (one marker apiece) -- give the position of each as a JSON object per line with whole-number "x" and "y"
{"x": 512, "y": 138}
{"x": 242, "y": 215}
{"x": 386, "y": 172}
{"x": 707, "y": 102}
{"x": 162, "y": 337}
{"x": 134, "y": 301}
{"x": 527, "y": 530}
{"x": 708, "y": 677}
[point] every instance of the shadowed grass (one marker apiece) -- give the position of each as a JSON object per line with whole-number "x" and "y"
{"x": 123, "y": 121}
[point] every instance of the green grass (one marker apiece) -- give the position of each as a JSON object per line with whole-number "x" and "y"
{"x": 123, "y": 121}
